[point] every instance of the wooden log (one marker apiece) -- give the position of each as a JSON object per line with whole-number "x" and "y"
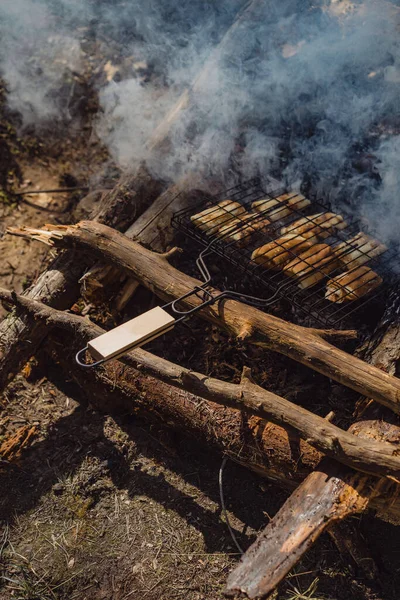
{"x": 307, "y": 346}
{"x": 373, "y": 458}
{"x": 327, "y": 495}
{"x": 265, "y": 448}
{"x": 58, "y": 285}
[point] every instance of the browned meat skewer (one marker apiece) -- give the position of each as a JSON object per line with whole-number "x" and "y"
{"x": 276, "y": 254}
{"x": 352, "y": 285}
{"x": 312, "y": 265}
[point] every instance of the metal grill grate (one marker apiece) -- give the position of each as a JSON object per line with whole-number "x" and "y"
{"x": 236, "y": 239}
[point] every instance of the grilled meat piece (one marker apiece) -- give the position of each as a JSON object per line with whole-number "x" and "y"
{"x": 283, "y": 205}
{"x": 352, "y": 285}
{"x": 212, "y": 218}
{"x": 312, "y": 265}
{"x": 320, "y": 225}
{"x": 359, "y": 250}
{"x": 276, "y": 254}
{"x": 241, "y": 229}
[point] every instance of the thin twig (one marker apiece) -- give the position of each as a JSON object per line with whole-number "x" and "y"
{"x": 225, "y": 512}
{"x": 54, "y": 191}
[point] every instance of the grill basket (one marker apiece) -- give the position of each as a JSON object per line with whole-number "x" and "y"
{"x": 311, "y": 303}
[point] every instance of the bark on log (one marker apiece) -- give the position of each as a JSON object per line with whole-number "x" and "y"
{"x": 325, "y": 497}
{"x": 58, "y": 285}
{"x": 259, "y": 445}
{"x": 373, "y": 458}
{"x": 306, "y": 346}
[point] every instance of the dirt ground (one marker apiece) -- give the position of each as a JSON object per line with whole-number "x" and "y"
{"x": 98, "y": 506}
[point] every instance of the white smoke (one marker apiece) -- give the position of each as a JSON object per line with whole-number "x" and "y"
{"x": 383, "y": 207}
{"x": 302, "y": 87}
{"x": 36, "y": 56}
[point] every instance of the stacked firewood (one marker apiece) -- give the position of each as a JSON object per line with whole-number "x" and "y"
{"x": 362, "y": 470}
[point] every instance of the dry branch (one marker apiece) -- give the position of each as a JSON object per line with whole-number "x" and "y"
{"x": 299, "y": 343}
{"x": 374, "y": 458}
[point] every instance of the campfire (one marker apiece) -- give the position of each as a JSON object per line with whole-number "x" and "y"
{"x": 297, "y": 262}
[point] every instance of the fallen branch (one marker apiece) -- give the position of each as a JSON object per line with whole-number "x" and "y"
{"x": 245, "y": 322}
{"x": 373, "y": 458}
{"x": 267, "y": 449}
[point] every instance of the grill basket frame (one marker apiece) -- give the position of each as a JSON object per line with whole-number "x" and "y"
{"x": 310, "y": 303}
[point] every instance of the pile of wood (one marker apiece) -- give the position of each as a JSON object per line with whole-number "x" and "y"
{"x": 337, "y": 474}
{"x": 364, "y": 470}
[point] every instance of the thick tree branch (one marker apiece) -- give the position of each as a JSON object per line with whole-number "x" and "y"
{"x": 373, "y": 457}
{"x": 168, "y": 283}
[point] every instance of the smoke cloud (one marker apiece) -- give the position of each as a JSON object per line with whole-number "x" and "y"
{"x": 305, "y": 90}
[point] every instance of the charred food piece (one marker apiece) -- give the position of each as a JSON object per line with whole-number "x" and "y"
{"x": 352, "y": 285}
{"x": 280, "y": 207}
{"x": 312, "y": 265}
{"x": 276, "y": 254}
{"x": 320, "y": 225}
{"x": 212, "y": 218}
{"x": 241, "y": 229}
{"x": 359, "y": 250}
